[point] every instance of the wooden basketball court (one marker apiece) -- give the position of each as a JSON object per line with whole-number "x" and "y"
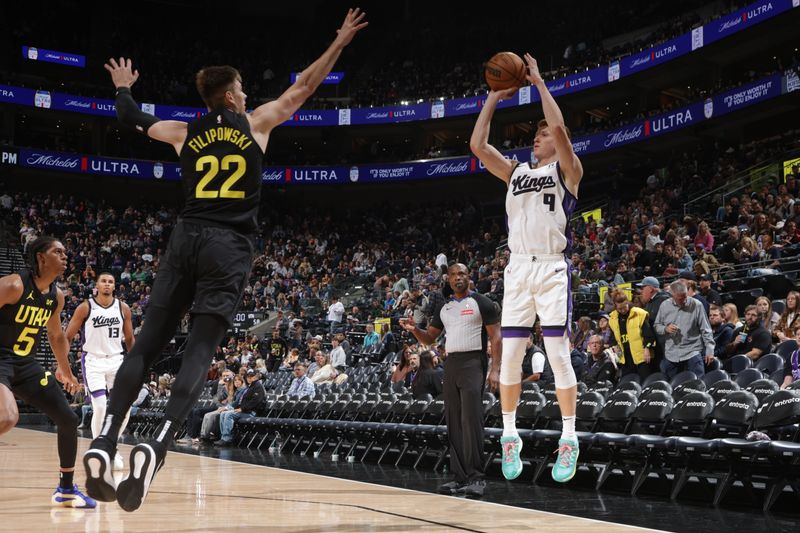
{"x": 204, "y": 494}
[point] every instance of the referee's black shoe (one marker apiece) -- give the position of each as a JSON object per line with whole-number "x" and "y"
{"x": 98, "y": 461}
{"x": 146, "y": 460}
{"x": 473, "y": 489}
{"x": 450, "y": 488}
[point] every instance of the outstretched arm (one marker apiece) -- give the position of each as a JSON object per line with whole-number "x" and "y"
{"x": 479, "y": 142}
{"x": 568, "y": 161}
{"x": 123, "y": 77}
{"x": 271, "y": 114}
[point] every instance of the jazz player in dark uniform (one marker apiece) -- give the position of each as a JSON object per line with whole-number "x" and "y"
{"x": 210, "y": 251}
{"x": 30, "y": 302}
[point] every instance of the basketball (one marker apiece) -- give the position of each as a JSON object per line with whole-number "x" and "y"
{"x": 505, "y": 70}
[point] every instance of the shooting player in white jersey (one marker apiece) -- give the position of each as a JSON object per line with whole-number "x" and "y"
{"x": 106, "y": 321}
{"x": 539, "y": 202}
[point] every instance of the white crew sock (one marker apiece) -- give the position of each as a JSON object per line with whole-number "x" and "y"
{"x": 510, "y": 423}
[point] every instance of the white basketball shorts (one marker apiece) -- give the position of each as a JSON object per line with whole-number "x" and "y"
{"x": 536, "y": 285}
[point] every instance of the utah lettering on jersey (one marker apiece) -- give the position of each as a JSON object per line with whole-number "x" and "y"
{"x": 105, "y": 321}
{"x": 33, "y": 316}
{"x": 218, "y": 134}
{"x": 526, "y": 183}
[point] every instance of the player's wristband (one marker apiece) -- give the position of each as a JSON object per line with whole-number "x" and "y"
{"x": 129, "y": 113}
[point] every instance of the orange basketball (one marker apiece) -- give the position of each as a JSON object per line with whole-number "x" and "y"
{"x": 505, "y": 70}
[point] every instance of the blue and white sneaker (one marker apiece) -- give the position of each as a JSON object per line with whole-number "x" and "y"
{"x": 512, "y": 464}
{"x": 567, "y": 460}
{"x": 72, "y": 498}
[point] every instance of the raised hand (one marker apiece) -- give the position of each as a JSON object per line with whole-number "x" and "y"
{"x": 121, "y": 73}
{"x": 408, "y": 324}
{"x": 533, "y": 76}
{"x": 351, "y": 25}
{"x": 505, "y": 94}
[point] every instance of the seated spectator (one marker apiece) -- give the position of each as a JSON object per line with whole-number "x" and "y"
{"x": 731, "y": 315}
{"x": 581, "y": 336}
{"x": 348, "y": 349}
{"x": 210, "y": 425}
{"x": 371, "y": 339}
{"x": 791, "y": 367}
{"x": 752, "y": 339}
{"x": 704, "y": 237}
{"x": 301, "y": 386}
{"x": 165, "y": 381}
{"x": 338, "y": 357}
{"x": 405, "y": 369}
{"x": 722, "y": 331}
{"x": 599, "y": 366}
{"x": 769, "y": 318}
{"x": 426, "y": 380}
{"x": 705, "y": 290}
{"x": 790, "y": 319}
{"x": 196, "y": 417}
{"x": 245, "y": 407}
{"x": 277, "y": 349}
{"x": 216, "y": 370}
{"x": 604, "y": 331}
{"x": 323, "y": 371}
{"x": 533, "y": 362}
{"x": 633, "y": 334}
{"x": 388, "y": 343}
{"x": 688, "y": 341}
{"x": 142, "y": 401}
{"x": 290, "y": 360}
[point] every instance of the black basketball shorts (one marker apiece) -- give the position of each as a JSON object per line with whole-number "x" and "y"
{"x": 205, "y": 267}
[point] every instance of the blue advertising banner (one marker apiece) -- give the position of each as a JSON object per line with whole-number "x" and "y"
{"x": 16, "y": 95}
{"x": 577, "y": 82}
{"x": 334, "y": 78}
{"x": 743, "y": 96}
{"x": 320, "y": 117}
{"x": 382, "y": 115}
{"x": 626, "y": 66}
{"x": 744, "y": 18}
{"x": 656, "y": 55}
{"x": 53, "y": 56}
{"x": 676, "y": 119}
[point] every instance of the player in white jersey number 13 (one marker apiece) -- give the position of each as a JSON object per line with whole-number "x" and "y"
{"x": 106, "y": 322}
{"x": 539, "y": 202}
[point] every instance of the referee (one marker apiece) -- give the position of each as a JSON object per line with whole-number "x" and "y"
{"x": 467, "y": 317}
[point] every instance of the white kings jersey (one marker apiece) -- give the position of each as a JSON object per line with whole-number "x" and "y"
{"x": 539, "y": 206}
{"x": 103, "y": 329}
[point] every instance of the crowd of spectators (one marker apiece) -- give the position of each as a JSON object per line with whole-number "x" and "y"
{"x": 385, "y": 67}
{"x": 397, "y": 254}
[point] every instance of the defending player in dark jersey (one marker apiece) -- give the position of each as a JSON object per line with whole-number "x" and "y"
{"x": 29, "y": 303}
{"x": 210, "y": 251}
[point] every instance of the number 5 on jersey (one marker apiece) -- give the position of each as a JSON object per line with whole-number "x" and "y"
{"x": 25, "y": 341}
{"x": 212, "y": 165}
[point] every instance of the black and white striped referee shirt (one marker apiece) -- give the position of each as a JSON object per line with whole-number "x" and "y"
{"x": 463, "y": 321}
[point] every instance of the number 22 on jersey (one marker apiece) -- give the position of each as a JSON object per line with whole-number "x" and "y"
{"x": 211, "y": 165}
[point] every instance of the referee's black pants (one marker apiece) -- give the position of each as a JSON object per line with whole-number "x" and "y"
{"x": 464, "y": 375}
